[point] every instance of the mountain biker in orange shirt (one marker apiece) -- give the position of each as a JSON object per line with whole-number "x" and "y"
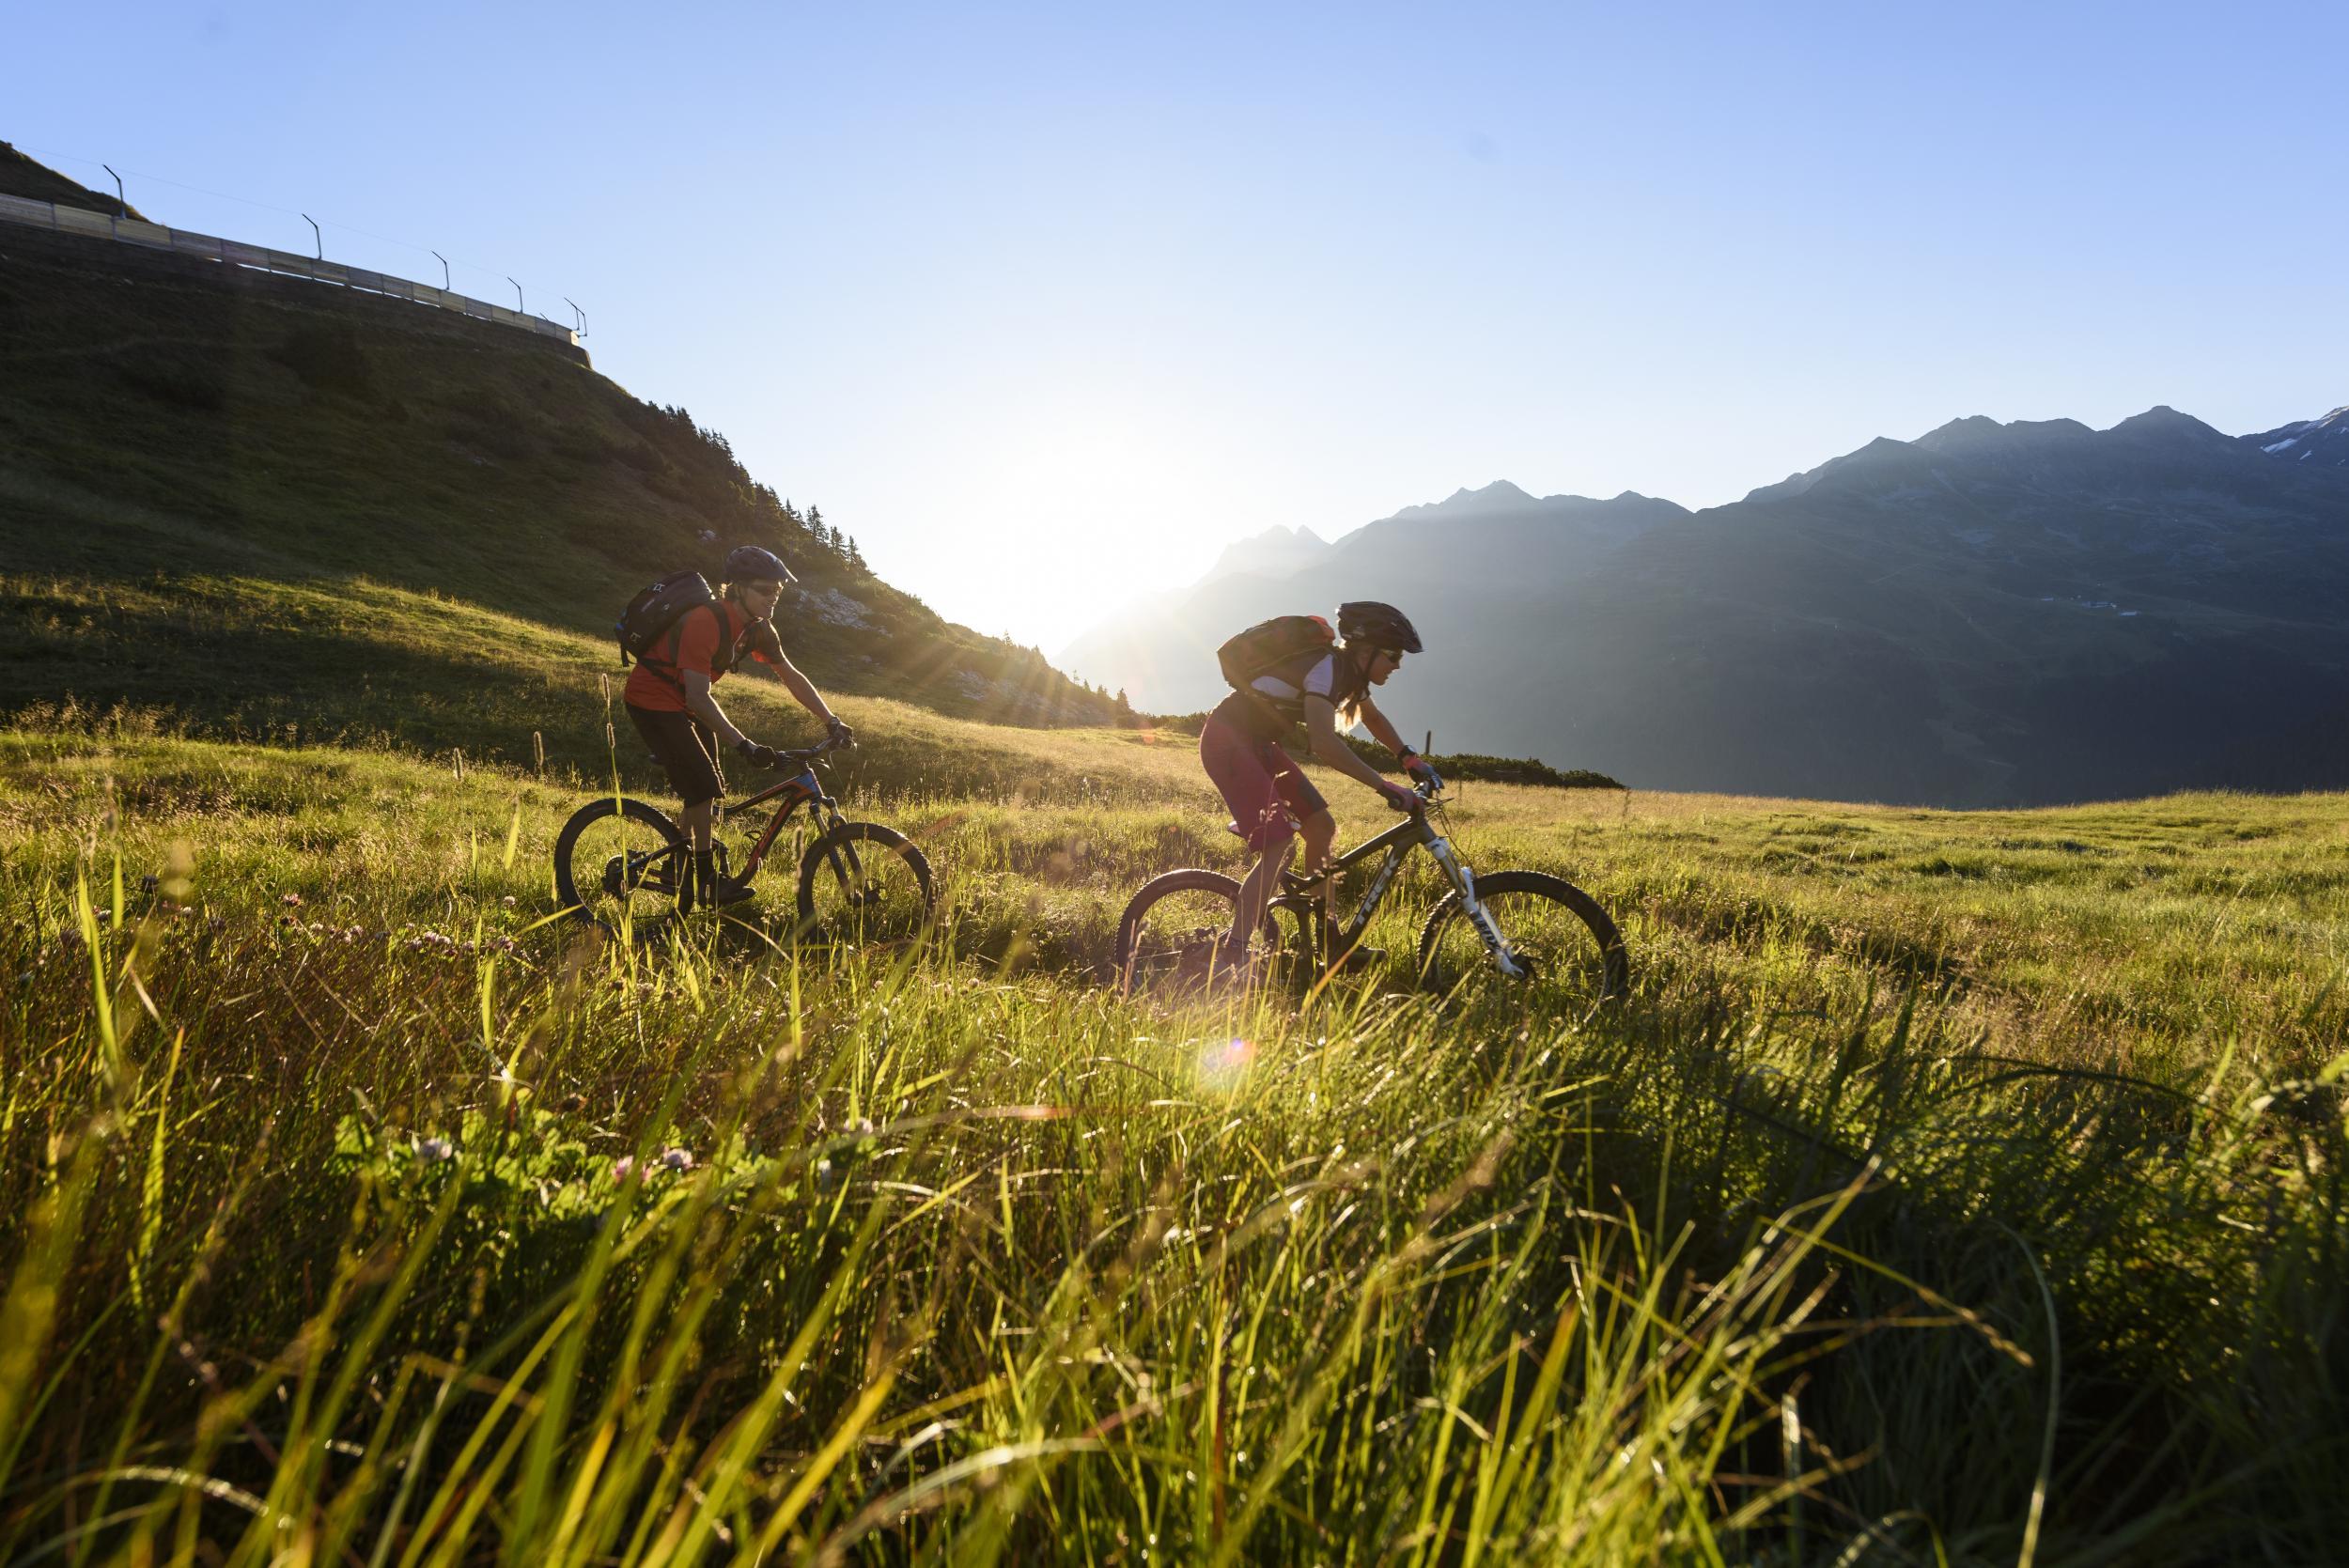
{"x": 669, "y": 700}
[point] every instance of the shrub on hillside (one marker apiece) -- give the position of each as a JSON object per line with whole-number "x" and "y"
{"x": 487, "y": 423}
{"x": 1526, "y": 771}
{"x": 583, "y": 447}
{"x": 328, "y": 358}
{"x": 178, "y": 375}
{"x": 642, "y": 457}
{"x": 1476, "y": 765}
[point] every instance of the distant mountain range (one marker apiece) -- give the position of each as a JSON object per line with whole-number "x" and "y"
{"x": 1988, "y": 614}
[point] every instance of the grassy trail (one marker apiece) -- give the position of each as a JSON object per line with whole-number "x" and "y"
{"x": 1952, "y": 1187}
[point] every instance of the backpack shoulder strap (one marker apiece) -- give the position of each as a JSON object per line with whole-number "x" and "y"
{"x": 668, "y": 666}
{"x": 722, "y": 657}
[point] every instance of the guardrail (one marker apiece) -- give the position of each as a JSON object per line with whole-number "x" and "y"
{"x": 233, "y": 253}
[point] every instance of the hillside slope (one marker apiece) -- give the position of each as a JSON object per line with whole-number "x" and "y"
{"x": 199, "y": 468}
{"x": 24, "y": 177}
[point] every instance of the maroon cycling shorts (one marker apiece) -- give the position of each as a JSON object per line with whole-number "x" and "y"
{"x": 1259, "y": 782}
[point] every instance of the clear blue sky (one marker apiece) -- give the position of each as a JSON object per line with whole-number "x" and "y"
{"x": 1045, "y": 304}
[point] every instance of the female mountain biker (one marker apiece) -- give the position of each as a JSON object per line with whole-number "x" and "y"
{"x": 669, "y": 700}
{"x": 1272, "y": 801}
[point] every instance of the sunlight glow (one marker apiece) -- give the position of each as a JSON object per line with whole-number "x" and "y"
{"x": 1223, "y": 1062}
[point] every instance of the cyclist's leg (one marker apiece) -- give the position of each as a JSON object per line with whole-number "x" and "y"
{"x": 1255, "y": 889}
{"x": 1242, "y": 774}
{"x": 1319, "y": 830}
{"x": 699, "y": 816}
{"x": 710, "y": 890}
{"x": 687, "y": 754}
{"x": 1310, "y": 812}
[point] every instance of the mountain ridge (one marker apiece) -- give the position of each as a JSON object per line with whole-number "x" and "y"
{"x": 1990, "y": 613}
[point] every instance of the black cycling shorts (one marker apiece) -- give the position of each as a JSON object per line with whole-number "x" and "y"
{"x": 685, "y": 748}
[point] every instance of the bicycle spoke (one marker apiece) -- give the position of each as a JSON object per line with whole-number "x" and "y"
{"x": 624, "y": 873}
{"x": 1173, "y": 937}
{"x": 1562, "y": 961}
{"x": 863, "y": 889}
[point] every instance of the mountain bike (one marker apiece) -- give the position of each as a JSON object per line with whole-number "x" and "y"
{"x": 1522, "y": 929}
{"x": 621, "y": 864}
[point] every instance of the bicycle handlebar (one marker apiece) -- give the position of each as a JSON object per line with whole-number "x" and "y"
{"x": 1427, "y": 793}
{"x": 801, "y": 758}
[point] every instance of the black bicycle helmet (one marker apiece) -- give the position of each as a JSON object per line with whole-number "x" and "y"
{"x": 751, "y": 563}
{"x": 1366, "y": 622}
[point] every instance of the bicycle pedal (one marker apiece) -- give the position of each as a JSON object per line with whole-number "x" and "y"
{"x": 727, "y": 894}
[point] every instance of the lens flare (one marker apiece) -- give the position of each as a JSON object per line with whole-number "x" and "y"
{"x": 1223, "y": 1062}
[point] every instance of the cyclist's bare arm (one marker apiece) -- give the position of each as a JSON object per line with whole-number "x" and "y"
{"x": 1321, "y": 725}
{"x": 1381, "y": 727}
{"x": 706, "y": 708}
{"x": 801, "y": 689}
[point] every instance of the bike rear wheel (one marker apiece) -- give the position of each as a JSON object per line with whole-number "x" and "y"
{"x": 861, "y": 882}
{"x": 1171, "y": 934}
{"x": 1567, "y": 945}
{"x": 620, "y": 864}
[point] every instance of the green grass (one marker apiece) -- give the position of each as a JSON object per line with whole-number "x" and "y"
{"x": 1952, "y": 1187}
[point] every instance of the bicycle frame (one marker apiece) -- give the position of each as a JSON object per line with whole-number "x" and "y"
{"x": 1302, "y": 893}
{"x": 800, "y": 789}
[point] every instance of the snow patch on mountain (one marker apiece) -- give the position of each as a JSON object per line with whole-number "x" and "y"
{"x": 2324, "y": 439}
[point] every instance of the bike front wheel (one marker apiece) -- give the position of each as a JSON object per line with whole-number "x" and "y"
{"x": 861, "y": 882}
{"x": 1566, "y": 945}
{"x": 620, "y": 864}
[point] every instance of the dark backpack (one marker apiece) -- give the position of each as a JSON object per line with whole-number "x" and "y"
{"x": 660, "y": 607}
{"x": 1269, "y": 644}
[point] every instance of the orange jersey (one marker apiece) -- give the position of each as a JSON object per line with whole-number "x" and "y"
{"x": 692, "y": 645}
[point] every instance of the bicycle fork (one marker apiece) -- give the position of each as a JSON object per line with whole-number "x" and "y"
{"x": 1464, "y": 880}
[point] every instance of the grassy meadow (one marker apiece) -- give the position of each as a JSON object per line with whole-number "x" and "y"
{"x": 1950, "y": 1188}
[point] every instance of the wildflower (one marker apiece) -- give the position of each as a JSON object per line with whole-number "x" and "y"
{"x": 624, "y": 1168}
{"x": 677, "y": 1159}
{"x": 507, "y": 901}
{"x": 290, "y": 900}
{"x": 825, "y": 1177}
{"x": 434, "y": 1150}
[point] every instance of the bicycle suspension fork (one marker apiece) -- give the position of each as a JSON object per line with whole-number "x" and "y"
{"x": 1464, "y": 881}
